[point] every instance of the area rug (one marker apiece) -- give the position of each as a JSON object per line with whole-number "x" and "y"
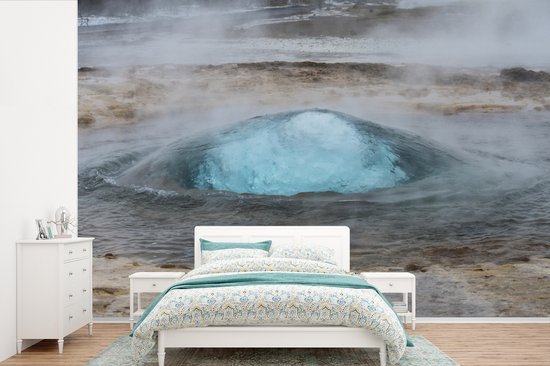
{"x": 422, "y": 354}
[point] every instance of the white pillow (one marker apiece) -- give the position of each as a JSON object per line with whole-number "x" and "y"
{"x": 311, "y": 252}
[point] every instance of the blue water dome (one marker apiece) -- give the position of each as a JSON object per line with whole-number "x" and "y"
{"x": 307, "y": 151}
{"x": 295, "y": 152}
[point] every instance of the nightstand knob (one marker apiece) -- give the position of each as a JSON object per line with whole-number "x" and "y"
{"x": 70, "y": 273}
{"x": 390, "y": 284}
{"x": 70, "y": 316}
{"x": 154, "y": 284}
{"x": 70, "y": 295}
{"x": 70, "y": 252}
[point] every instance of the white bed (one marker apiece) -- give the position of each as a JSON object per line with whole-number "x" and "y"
{"x": 337, "y": 237}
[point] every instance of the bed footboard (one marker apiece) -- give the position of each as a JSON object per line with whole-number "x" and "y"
{"x": 269, "y": 337}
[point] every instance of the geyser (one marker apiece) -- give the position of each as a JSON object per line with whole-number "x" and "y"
{"x": 289, "y": 153}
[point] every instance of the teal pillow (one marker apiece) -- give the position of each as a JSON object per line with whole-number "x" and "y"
{"x": 212, "y": 245}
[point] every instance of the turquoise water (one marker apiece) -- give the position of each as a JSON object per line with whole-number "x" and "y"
{"x": 290, "y": 153}
{"x": 308, "y": 151}
{"x": 477, "y": 185}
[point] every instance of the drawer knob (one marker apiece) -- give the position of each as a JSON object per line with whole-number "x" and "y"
{"x": 391, "y": 284}
{"x": 70, "y": 317}
{"x": 84, "y": 250}
{"x": 70, "y": 252}
{"x": 84, "y": 290}
{"x": 84, "y": 310}
{"x": 154, "y": 284}
{"x": 70, "y": 295}
{"x": 70, "y": 273}
{"x": 83, "y": 269}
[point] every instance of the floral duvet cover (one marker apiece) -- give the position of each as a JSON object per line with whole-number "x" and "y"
{"x": 270, "y": 291}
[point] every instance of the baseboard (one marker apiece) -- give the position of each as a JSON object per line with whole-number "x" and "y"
{"x": 435, "y": 320}
{"x": 113, "y": 320}
{"x": 489, "y": 320}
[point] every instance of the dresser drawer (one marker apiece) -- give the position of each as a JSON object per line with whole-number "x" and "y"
{"x": 76, "y": 295}
{"x": 72, "y": 318}
{"x": 76, "y": 281}
{"x": 86, "y": 313}
{"x": 77, "y": 313}
{"x": 77, "y": 270}
{"x": 74, "y": 251}
{"x": 392, "y": 285}
{"x": 152, "y": 284}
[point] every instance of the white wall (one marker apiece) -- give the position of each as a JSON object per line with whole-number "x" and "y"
{"x": 38, "y": 130}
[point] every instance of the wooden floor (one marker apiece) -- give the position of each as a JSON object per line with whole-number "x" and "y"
{"x": 468, "y": 344}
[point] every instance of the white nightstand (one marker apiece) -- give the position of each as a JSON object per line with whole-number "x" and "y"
{"x": 154, "y": 282}
{"x": 397, "y": 283}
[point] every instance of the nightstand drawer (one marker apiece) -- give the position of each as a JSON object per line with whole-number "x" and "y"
{"x": 392, "y": 285}
{"x": 151, "y": 284}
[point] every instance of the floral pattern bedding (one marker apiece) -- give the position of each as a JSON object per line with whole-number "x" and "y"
{"x": 281, "y": 304}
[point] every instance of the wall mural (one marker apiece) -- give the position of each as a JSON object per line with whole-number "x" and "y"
{"x": 421, "y": 125}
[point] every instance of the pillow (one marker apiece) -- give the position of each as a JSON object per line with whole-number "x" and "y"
{"x": 216, "y": 251}
{"x": 311, "y": 252}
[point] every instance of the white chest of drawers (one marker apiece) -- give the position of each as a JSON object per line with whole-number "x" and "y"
{"x": 54, "y": 288}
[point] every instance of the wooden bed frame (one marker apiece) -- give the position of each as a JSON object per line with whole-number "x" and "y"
{"x": 336, "y": 237}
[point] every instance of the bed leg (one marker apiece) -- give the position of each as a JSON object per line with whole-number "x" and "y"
{"x": 161, "y": 353}
{"x": 383, "y": 355}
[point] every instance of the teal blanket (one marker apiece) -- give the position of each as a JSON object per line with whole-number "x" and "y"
{"x": 268, "y": 278}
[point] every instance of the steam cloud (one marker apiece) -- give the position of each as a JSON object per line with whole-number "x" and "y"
{"x": 499, "y": 33}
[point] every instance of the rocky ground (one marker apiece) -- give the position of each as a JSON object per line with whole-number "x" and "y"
{"x": 473, "y": 290}
{"x": 138, "y": 93}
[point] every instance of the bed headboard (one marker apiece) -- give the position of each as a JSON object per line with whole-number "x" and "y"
{"x": 336, "y": 237}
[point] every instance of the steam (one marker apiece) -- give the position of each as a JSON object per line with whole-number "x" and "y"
{"x": 412, "y": 4}
{"x": 501, "y": 33}
{"x": 476, "y": 33}
{"x": 463, "y": 33}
